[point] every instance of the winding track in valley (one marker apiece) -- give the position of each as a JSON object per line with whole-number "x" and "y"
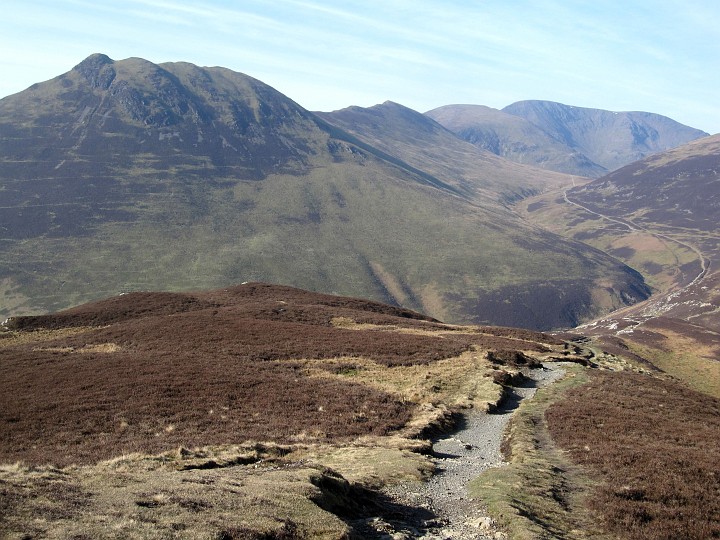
{"x": 644, "y": 314}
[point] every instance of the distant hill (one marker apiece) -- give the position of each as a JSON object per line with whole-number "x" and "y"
{"x": 679, "y": 187}
{"x": 127, "y": 175}
{"x": 513, "y": 138}
{"x": 576, "y": 140}
{"x": 427, "y": 145}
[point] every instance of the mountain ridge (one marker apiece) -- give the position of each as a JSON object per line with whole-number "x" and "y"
{"x": 610, "y": 138}
{"x": 565, "y": 138}
{"x": 127, "y": 175}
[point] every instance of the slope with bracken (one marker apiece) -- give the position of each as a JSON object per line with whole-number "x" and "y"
{"x": 127, "y": 175}
{"x": 141, "y": 412}
{"x": 263, "y": 411}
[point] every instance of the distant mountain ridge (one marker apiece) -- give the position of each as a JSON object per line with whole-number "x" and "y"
{"x": 128, "y": 175}
{"x": 427, "y": 145}
{"x": 575, "y": 140}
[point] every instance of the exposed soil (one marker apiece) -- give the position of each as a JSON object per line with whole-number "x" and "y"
{"x": 443, "y": 507}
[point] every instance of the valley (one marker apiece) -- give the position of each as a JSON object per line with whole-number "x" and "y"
{"x": 678, "y": 325}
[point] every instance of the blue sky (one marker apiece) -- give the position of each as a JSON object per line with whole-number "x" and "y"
{"x": 659, "y": 56}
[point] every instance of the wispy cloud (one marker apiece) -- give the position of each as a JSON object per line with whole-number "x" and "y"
{"x": 423, "y": 53}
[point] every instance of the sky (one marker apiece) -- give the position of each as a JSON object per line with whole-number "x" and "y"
{"x": 660, "y": 56}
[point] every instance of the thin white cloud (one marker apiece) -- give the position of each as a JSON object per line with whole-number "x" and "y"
{"x": 323, "y": 54}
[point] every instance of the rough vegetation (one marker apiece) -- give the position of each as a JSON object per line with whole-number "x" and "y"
{"x": 654, "y": 444}
{"x": 154, "y": 371}
{"x": 135, "y": 416}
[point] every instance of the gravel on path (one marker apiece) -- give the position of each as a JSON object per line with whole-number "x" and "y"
{"x": 441, "y": 508}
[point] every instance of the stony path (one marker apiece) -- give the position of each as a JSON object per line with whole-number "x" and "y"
{"x": 442, "y": 508}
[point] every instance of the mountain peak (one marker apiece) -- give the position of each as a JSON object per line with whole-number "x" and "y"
{"x": 97, "y": 70}
{"x": 95, "y": 59}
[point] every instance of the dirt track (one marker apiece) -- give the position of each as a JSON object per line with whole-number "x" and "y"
{"x": 444, "y": 509}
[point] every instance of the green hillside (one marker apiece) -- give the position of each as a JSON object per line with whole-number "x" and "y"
{"x": 123, "y": 176}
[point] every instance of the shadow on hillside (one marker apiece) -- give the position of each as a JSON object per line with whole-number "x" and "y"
{"x": 392, "y": 517}
{"x": 513, "y": 395}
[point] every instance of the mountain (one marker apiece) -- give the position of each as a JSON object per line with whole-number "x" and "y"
{"x": 554, "y": 136}
{"x": 610, "y": 139}
{"x": 513, "y": 138}
{"x": 128, "y": 175}
{"x": 427, "y": 145}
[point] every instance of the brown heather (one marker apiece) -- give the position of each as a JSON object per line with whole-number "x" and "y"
{"x": 154, "y": 371}
{"x": 655, "y": 444}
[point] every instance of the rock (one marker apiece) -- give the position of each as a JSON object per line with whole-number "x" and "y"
{"x": 484, "y": 522}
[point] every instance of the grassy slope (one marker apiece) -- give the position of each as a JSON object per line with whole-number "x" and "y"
{"x": 658, "y": 260}
{"x": 179, "y": 178}
{"x": 683, "y": 341}
{"x": 349, "y": 228}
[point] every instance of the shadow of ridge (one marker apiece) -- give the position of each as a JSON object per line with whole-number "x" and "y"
{"x": 511, "y": 398}
{"x": 390, "y": 516}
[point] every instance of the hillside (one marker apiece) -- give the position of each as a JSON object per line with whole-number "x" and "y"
{"x": 659, "y": 215}
{"x": 679, "y": 188}
{"x": 265, "y": 411}
{"x": 126, "y": 175}
{"x": 558, "y": 137}
{"x": 158, "y": 403}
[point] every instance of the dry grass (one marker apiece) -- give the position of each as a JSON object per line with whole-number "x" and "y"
{"x": 458, "y": 382}
{"x": 158, "y": 497}
{"x": 682, "y": 356}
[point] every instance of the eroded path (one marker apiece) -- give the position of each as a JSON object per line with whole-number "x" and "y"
{"x": 445, "y": 510}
